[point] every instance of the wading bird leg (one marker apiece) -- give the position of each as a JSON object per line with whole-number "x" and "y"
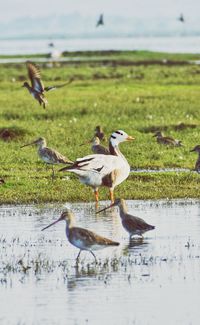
{"x": 53, "y": 173}
{"x": 94, "y": 256}
{"x": 78, "y": 256}
{"x": 112, "y": 196}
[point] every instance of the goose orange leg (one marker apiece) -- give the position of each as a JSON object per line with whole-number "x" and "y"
{"x": 96, "y": 193}
{"x": 112, "y": 196}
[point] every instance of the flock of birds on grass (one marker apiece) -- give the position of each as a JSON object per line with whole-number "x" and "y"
{"x": 107, "y": 167}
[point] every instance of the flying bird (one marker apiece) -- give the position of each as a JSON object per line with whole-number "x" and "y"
{"x": 181, "y": 18}
{"x": 100, "y": 21}
{"x": 37, "y": 89}
{"x": 51, "y": 44}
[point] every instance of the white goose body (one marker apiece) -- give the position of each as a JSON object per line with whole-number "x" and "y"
{"x": 100, "y": 166}
{"x": 103, "y": 170}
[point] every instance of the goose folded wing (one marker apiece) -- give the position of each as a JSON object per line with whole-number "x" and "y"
{"x": 103, "y": 164}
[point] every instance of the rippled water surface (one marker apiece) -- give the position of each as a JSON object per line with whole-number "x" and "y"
{"x": 150, "y": 281}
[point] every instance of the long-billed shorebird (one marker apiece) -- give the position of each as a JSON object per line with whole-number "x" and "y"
{"x": 37, "y": 88}
{"x": 133, "y": 225}
{"x": 169, "y": 141}
{"x": 103, "y": 170}
{"x": 97, "y": 148}
{"x": 197, "y": 165}
{"x": 85, "y": 240}
{"x": 48, "y": 155}
{"x": 98, "y": 132}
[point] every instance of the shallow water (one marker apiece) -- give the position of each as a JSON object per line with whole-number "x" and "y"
{"x": 162, "y": 170}
{"x": 172, "y": 44}
{"x": 154, "y": 281}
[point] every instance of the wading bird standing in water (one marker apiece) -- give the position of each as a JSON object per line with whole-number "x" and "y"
{"x": 133, "y": 225}
{"x": 85, "y": 240}
{"x": 48, "y": 155}
{"x": 103, "y": 170}
{"x": 37, "y": 88}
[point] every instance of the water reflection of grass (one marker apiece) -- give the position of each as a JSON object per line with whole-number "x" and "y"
{"x": 138, "y": 99}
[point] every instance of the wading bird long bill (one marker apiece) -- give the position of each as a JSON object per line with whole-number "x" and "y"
{"x": 48, "y": 155}
{"x": 85, "y": 240}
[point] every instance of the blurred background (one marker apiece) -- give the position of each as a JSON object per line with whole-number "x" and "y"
{"x": 29, "y": 27}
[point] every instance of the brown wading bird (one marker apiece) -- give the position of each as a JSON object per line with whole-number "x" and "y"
{"x": 81, "y": 238}
{"x": 133, "y": 225}
{"x": 98, "y": 132}
{"x": 48, "y": 155}
{"x": 168, "y": 141}
{"x": 97, "y": 148}
{"x": 37, "y": 88}
{"x": 103, "y": 170}
{"x": 197, "y": 165}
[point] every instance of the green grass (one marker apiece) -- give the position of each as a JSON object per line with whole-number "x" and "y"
{"x": 136, "y": 99}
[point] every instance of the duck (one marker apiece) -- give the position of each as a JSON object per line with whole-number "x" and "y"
{"x": 48, "y": 155}
{"x": 133, "y": 225}
{"x": 103, "y": 170}
{"x": 84, "y": 239}
{"x": 161, "y": 139}
{"x": 197, "y": 165}
{"x": 37, "y": 89}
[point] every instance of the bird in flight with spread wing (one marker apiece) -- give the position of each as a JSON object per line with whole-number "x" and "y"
{"x": 37, "y": 89}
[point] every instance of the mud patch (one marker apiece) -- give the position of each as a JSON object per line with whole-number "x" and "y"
{"x": 12, "y": 133}
{"x": 177, "y": 127}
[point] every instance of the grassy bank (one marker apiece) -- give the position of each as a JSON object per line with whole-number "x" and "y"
{"x": 136, "y": 98}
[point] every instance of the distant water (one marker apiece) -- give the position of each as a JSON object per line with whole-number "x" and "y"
{"x": 160, "y": 44}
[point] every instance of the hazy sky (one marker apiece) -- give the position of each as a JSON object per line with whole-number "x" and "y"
{"x": 137, "y": 8}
